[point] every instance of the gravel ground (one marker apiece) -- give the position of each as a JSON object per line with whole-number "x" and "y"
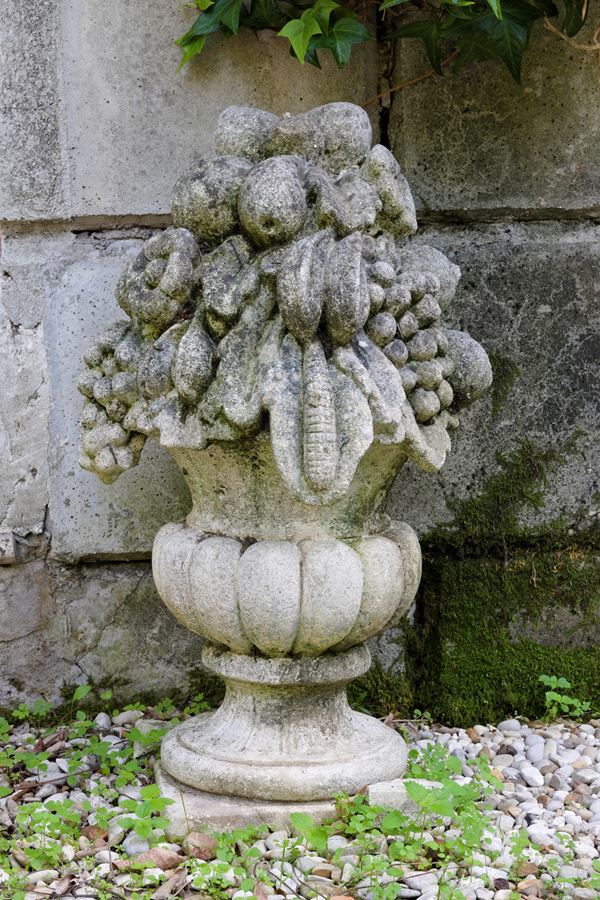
{"x": 543, "y": 838}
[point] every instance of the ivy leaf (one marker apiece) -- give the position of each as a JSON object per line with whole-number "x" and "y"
{"x": 323, "y": 10}
{"x": 458, "y": 4}
{"x": 510, "y": 36}
{"x": 496, "y": 8}
{"x": 341, "y": 37}
{"x": 389, "y": 3}
{"x": 229, "y": 14}
{"x": 575, "y": 15}
{"x": 430, "y": 33}
{"x": 299, "y": 32}
{"x": 312, "y": 56}
{"x": 264, "y": 14}
{"x": 223, "y": 12}
{"x": 5, "y": 791}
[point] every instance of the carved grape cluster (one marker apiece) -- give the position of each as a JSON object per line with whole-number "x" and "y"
{"x": 110, "y": 386}
{"x": 405, "y": 321}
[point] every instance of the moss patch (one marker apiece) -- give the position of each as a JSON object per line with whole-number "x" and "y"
{"x": 490, "y": 523}
{"x": 506, "y": 372}
{"x": 380, "y": 692}
{"x": 489, "y": 629}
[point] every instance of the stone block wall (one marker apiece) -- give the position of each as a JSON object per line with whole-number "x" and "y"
{"x": 95, "y": 124}
{"x": 507, "y": 181}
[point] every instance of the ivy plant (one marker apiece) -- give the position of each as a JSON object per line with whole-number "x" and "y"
{"x": 457, "y": 31}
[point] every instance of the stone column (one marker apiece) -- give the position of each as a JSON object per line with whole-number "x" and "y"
{"x": 285, "y": 342}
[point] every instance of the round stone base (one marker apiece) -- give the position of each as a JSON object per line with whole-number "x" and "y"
{"x": 284, "y": 732}
{"x": 193, "y": 810}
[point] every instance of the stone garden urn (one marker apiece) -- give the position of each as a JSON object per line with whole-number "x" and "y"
{"x": 285, "y": 342}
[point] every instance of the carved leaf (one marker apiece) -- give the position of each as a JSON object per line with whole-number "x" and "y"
{"x": 300, "y": 285}
{"x": 347, "y": 306}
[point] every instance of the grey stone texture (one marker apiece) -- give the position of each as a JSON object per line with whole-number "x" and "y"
{"x": 94, "y": 120}
{"x": 475, "y": 143}
{"x": 24, "y": 398}
{"x": 530, "y": 292}
{"x": 96, "y": 117}
{"x": 57, "y": 293}
{"x": 64, "y": 625}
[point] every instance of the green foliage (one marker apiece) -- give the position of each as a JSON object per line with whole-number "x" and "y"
{"x": 448, "y": 831}
{"x": 465, "y": 31}
{"x": 316, "y": 835}
{"x": 146, "y": 813}
{"x": 560, "y": 703}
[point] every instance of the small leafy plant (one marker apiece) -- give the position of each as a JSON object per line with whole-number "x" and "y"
{"x": 457, "y": 31}
{"x": 560, "y": 703}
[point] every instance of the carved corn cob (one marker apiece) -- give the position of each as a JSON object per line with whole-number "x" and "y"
{"x": 320, "y": 434}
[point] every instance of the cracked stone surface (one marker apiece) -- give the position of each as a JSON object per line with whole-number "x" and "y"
{"x": 62, "y": 625}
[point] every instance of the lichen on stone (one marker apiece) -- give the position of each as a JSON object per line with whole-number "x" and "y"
{"x": 286, "y": 298}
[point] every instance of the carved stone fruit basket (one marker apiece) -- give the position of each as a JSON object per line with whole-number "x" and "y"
{"x": 285, "y": 342}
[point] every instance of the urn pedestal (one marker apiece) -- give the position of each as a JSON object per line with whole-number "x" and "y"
{"x": 284, "y": 607}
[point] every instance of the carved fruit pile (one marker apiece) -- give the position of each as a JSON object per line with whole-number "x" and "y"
{"x": 287, "y": 298}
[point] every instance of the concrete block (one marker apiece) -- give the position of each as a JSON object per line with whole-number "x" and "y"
{"x": 24, "y": 398}
{"x": 31, "y": 174}
{"x": 62, "y": 625}
{"x": 111, "y": 620}
{"x": 529, "y": 294}
{"x": 128, "y": 123}
{"x": 29, "y": 662}
{"x": 88, "y": 519}
{"x": 133, "y": 122}
{"x": 475, "y": 142}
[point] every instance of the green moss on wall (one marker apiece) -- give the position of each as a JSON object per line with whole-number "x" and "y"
{"x": 490, "y": 628}
{"x": 380, "y": 692}
{"x": 506, "y": 372}
{"x": 490, "y": 523}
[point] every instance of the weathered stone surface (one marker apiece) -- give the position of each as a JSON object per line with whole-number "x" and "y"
{"x": 476, "y": 142}
{"x": 311, "y": 365}
{"x": 114, "y": 626}
{"x": 282, "y": 597}
{"x": 24, "y": 396}
{"x": 333, "y": 341}
{"x": 91, "y": 98}
{"x": 218, "y": 813}
{"x": 65, "y": 625}
{"x": 57, "y": 291}
{"x": 88, "y": 519}
{"x": 32, "y": 181}
{"x": 285, "y": 731}
{"x": 530, "y": 292}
